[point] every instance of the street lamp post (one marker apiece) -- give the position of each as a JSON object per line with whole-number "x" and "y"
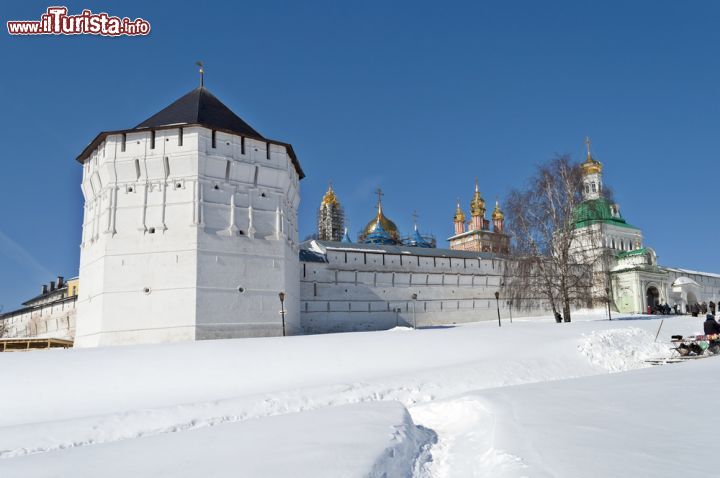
{"x": 282, "y": 310}
{"x": 497, "y": 302}
{"x": 607, "y": 292}
{"x": 414, "y": 298}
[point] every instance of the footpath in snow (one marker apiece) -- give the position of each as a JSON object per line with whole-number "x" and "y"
{"x": 102, "y": 403}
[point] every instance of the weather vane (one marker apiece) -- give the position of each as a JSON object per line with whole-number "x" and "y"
{"x": 202, "y": 72}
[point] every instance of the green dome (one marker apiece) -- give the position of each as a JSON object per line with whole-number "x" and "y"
{"x": 597, "y": 210}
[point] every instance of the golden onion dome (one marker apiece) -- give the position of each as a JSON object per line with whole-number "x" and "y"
{"x": 497, "y": 213}
{"x": 389, "y": 226}
{"x": 459, "y": 214}
{"x": 477, "y": 204}
{"x": 329, "y": 197}
{"x": 590, "y": 165}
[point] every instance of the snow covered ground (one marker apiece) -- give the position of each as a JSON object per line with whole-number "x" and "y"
{"x": 532, "y": 398}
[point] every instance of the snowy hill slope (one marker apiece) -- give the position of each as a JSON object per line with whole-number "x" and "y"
{"x": 127, "y": 393}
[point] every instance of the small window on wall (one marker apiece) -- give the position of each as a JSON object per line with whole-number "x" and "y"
{"x": 242, "y": 144}
{"x": 180, "y": 137}
{"x": 594, "y": 188}
{"x": 137, "y": 169}
{"x": 123, "y": 142}
{"x": 214, "y": 139}
{"x": 267, "y": 151}
{"x": 152, "y": 139}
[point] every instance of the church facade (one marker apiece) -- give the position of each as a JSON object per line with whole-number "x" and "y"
{"x": 635, "y": 281}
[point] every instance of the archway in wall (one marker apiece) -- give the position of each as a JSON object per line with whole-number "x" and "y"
{"x": 653, "y": 296}
{"x": 691, "y": 298}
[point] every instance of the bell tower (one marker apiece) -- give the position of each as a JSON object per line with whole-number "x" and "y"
{"x": 592, "y": 175}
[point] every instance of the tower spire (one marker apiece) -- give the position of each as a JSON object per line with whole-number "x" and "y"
{"x": 202, "y": 72}
{"x": 587, "y": 143}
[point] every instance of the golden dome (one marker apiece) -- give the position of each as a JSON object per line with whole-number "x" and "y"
{"x": 477, "y": 204}
{"x": 459, "y": 214}
{"x": 389, "y": 226}
{"x": 590, "y": 165}
{"x": 497, "y": 213}
{"x": 329, "y": 197}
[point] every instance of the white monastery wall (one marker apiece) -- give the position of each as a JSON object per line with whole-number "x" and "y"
{"x": 370, "y": 290}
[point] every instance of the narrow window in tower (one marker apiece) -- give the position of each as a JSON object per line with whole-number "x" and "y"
{"x": 257, "y": 172}
{"x": 594, "y": 187}
{"x": 227, "y": 170}
{"x": 166, "y": 165}
{"x": 152, "y": 139}
{"x": 214, "y": 138}
{"x": 123, "y": 143}
{"x": 137, "y": 169}
{"x": 267, "y": 151}
{"x": 242, "y": 144}
{"x": 180, "y": 137}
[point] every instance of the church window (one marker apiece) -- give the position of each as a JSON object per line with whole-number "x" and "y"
{"x": 227, "y": 170}
{"x": 242, "y": 144}
{"x": 594, "y": 187}
{"x": 613, "y": 243}
{"x": 152, "y": 139}
{"x": 214, "y": 139}
{"x": 137, "y": 169}
{"x": 123, "y": 143}
{"x": 622, "y": 245}
{"x": 166, "y": 166}
{"x": 180, "y": 137}
{"x": 267, "y": 151}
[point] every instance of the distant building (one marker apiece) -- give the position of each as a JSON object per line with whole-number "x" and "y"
{"x": 478, "y": 235}
{"x": 331, "y": 218}
{"x": 49, "y": 314}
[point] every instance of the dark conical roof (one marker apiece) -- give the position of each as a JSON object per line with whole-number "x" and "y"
{"x": 200, "y": 107}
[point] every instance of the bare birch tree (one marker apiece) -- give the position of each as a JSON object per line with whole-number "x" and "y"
{"x": 549, "y": 261}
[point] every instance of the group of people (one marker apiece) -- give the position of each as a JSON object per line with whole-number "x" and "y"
{"x": 695, "y": 309}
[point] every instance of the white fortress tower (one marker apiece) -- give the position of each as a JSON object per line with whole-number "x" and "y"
{"x": 190, "y": 229}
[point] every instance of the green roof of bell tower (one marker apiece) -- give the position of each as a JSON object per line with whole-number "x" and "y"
{"x": 594, "y": 211}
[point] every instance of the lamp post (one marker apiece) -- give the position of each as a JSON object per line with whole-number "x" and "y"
{"x": 509, "y": 304}
{"x": 414, "y": 298}
{"x": 607, "y": 292}
{"x": 282, "y": 310}
{"x": 497, "y": 302}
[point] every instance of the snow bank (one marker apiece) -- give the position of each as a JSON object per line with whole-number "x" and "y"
{"x": 368, "y": 440}
{"x": 618, "y": 350}
{"x": 647, "y": 422}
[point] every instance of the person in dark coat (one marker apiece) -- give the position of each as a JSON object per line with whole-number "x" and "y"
{"x": 710, "y": 326}
{"x": 695, "y": 309}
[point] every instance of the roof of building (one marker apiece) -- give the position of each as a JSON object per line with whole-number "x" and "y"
{"x": 320, "y": 247}
{"x": 199, "y": 107}
{"x": 592, "y": 211}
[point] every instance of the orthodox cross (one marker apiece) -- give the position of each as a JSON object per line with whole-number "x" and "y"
{"x": 587, "y": 143}
{"x": 380, "y": 194}
{"x": 202, "y": 72}
{"x": 415, "y": 218}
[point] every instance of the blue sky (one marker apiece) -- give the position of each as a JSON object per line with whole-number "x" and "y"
{"x": 416, "y": 97}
